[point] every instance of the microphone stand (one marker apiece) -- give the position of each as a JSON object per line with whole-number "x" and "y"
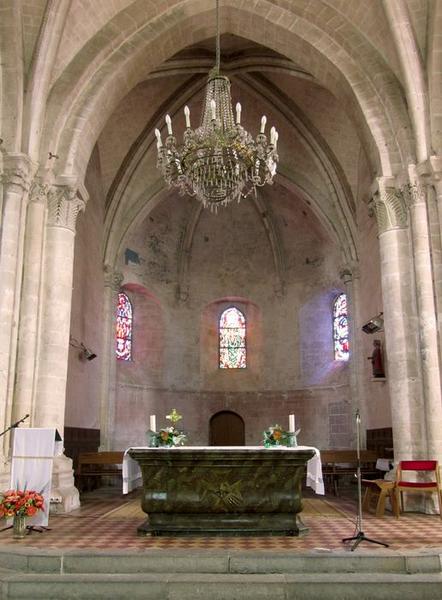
{"x": 359, "y": 534}
{"x": 14, "y": 425}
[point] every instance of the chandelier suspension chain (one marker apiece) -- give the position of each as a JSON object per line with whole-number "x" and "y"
{"x": 218, "y": 45}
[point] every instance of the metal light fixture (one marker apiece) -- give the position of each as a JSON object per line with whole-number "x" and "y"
{"x": 375, "y": 324}
{"x": 219, "y": 161}
{"x": 85, "y": 353}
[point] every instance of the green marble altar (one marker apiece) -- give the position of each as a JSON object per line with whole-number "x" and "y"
{"x": 222, "y": 491}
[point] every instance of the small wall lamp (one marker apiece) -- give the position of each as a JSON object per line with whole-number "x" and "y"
{"x": 85, "y": 353}
{"x": 374, "y": 324}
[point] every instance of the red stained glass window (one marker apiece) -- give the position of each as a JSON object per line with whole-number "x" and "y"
{"x": 123, "y": 348}
{"x": 340, "y": 328}
{"x": 232, "y": 339}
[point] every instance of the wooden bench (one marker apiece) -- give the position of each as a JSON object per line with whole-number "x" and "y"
{"x": 92, "y": 466}
{"x": 339, "y": 463}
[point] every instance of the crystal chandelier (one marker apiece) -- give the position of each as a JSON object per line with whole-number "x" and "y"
{"x": 219, "y": 161}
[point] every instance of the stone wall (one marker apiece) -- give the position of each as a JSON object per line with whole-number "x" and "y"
{"x": 84, "y": 376}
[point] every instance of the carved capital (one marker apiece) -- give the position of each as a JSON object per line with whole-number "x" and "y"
{"x": 64, "y": 205}
{"x": 112, "y": 278}
{"x": 414, "y": 193}
{"x": 389, "y": 207}
{"x": 349, "y": 273}
{"x": 17, "y": 173}
{"x": 38, "y": 192}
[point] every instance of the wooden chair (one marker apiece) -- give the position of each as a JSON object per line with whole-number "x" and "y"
{"x": 426, "y": 467}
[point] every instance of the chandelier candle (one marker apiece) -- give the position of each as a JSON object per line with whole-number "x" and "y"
{"x": 219, "y": 161}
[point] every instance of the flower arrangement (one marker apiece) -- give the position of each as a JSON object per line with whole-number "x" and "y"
{"x": 275, "y": 435}
{"x": 22, "y": 503}
{"x": 170, "y": 436}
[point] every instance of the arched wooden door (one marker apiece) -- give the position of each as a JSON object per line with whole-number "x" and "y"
{"x": 226, "y": 429}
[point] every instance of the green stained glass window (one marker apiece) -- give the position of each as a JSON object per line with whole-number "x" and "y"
{"x": 232, "y": 339}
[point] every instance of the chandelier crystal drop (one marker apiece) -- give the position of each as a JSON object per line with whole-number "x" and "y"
{"x": 219, "y": 161}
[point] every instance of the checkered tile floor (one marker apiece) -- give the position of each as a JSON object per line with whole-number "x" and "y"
{"x": 89, "y": 528}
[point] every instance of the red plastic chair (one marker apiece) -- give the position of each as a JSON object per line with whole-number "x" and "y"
{"x": 426, "y": 467}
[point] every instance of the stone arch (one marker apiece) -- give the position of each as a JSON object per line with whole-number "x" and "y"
{"x": 78, "y": 120}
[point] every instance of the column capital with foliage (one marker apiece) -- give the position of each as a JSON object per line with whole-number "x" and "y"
{"x": 64, "y": 205}
{"x": 389, "y": 205}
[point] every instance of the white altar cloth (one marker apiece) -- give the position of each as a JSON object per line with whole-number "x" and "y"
{"x": 132, "y": 474}
{"x": 33, "y": 452}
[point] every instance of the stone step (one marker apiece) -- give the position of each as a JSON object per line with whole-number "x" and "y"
{"x": 223, "y": 586}
{"x": 28, "y": 560}
{"x": 214, "y": 561}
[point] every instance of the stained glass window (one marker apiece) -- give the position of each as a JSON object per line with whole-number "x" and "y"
{"x": 123, "y": 348}
{"x": 232, "y": 339}
{"x": 340, "y": 328}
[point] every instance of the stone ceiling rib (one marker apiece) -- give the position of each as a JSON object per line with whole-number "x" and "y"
{"x": 115, "y": 70}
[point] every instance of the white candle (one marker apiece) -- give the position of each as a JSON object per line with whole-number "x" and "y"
{"x": 213, "y": 107}
{"x": 238, "y": 113}
{"x": 272, "y": 135}
{"x": 276, "y": 139}
{"x": 187, "y": 115}
{"x": 263, "y": 123}
{"x": 169, "y": 124}
{"x": 158, "y": 134}
{"x": 292, "y": 423}
{"x": 153, "y": 423}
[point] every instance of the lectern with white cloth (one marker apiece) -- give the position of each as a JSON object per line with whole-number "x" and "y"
{"x": 33, "y": 452}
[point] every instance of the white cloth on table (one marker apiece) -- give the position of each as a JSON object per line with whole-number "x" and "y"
{"x": 32, "y": 460}
{"x": 384, "y": 464}
{"x": 314, "y": 478}
{"x": 132, "y": 473}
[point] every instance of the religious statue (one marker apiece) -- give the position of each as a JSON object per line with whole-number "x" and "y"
{"x": 377, "y": 363}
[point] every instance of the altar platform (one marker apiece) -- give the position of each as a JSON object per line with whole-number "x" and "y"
{"x": 109, "y": 520}
{"x": 95, "y": 552}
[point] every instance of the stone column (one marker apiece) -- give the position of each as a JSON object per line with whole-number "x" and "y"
{"x": 24, "y": 392}
{"x": 428, "y": 330}
{"x": 64, "y": 205}
{"x": 430, "y": 172}
{"x": 112, "y": 284}
{"x": 15, "y": 179}
{"x": 400, "y": 322}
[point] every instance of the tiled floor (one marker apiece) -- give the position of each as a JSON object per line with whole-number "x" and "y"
{"x": 93, "y": 527}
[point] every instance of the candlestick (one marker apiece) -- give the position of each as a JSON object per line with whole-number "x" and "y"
{"x": 159, "y": 141}
{"x": 169, "y": 124}
{"x": 238, "y": 113}
{"x": 263, "y": 123}
{"x": 153, "y": 423}
{"x": 187, "y": 115}
{"x": 292, "y": 423}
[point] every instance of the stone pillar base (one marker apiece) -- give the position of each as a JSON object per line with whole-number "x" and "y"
{"x": 64, "y": 495}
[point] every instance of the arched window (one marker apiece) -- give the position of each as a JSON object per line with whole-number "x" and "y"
{"x": 232, "y": 339}
{"x": 340, "y": 328}
{"x": 123, "y": 348}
